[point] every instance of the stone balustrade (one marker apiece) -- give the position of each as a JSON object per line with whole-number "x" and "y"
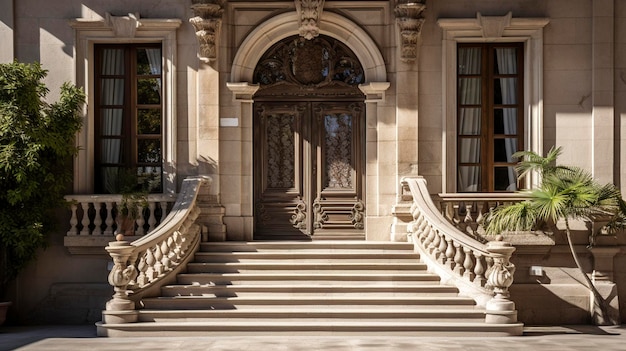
{"x": 480, "y": 270}
{"x": 141, "y": 267}
{"x": 95, "y": 214}
{"x": 467, "y": 211}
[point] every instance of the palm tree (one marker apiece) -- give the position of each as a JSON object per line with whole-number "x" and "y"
{"x": 566, "y": 193}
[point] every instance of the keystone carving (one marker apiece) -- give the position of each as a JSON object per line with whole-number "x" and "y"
{"x": 123, "y": 26}
{"x": 409, "y": 18}
{"x": 493, "y": 26}
{"x": 309, "y": 13}
{"x": 207, "y": 22}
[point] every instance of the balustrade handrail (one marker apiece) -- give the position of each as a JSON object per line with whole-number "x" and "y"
{"x": 477, "y": 269}
{"x": 144, "y": 265}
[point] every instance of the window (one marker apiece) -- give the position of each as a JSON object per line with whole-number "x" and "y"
{"x": 490, "y": 126}
{"x": 128, "y": 116}
{"x": 526, "y": 36}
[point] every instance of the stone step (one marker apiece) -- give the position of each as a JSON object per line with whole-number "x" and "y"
{"x": 310, "y": 278}
{"x": 303, "y": 267}
{"x": 307, "y": 256}
{"x": 309, "y": 314}
{"x": 301, "y": 246}
{"x": 287, "y": 301}
{"x": 275, "y": 328}
{"x": 297, "y": 315}
{"x": 336, "y": 288}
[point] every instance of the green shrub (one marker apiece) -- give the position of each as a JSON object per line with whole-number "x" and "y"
{"x": 36, "y": 149}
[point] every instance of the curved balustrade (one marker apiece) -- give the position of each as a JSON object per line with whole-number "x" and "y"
{"x": 143, "y": 266}
{"x": 478, "y": 270}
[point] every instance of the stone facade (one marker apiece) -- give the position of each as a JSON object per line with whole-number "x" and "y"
{"x": 574, "y": 96}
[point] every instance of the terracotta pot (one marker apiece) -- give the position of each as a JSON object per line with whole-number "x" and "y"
{"x": 4, "y": 307}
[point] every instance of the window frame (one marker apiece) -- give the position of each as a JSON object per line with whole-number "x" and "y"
{"x": 486, "y": 135}
{"x": 104, "y": 31}
{"x": 483, "y": 29}
{"x": 130, "y": 137}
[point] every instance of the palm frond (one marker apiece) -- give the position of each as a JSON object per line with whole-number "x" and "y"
{"x": 520, "y": 216}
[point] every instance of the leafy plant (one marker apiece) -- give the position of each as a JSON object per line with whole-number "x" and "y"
{"x": 36, "y": 149}
{"x": 566, "y": 193}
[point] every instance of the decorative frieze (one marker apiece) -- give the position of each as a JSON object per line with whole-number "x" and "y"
{"x": 309, "y": 13}
{"x": 409, "y": 18}
{"x": 207, "y": 22}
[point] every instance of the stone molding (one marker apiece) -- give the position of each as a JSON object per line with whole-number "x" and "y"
{"x": 207, "y": 22}
{"x": 309, "y": 13}
{"x": 410, "y": 20}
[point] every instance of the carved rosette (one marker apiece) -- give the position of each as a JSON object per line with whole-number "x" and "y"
{"x": 309, "y": 13}
{"x": 409, "y": 18}
{"x": 207, "y": 22}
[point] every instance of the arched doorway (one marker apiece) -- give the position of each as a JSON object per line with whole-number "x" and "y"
{"x": 309, "y": 126}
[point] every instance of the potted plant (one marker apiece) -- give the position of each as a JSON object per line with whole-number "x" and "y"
{"x": 134, "y": 191}
{"x": 566, "y": 193}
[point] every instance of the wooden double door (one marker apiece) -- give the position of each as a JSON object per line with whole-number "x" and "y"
{"x": 309, "y": 169}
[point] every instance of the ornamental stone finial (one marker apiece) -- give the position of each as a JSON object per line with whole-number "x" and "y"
{"x": 207, "y": 22}
{"x": 309, "y": 13}
{"x": 500, "y": 309}
{"x": 409, "y": 18}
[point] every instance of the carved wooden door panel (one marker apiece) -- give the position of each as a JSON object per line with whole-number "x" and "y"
{"x": 308, "y": 170}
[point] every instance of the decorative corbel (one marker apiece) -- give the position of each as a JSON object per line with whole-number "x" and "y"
{"x": 123, "y": 26}
{"x": 207, "y": 22}
{"x": 309, "y": 13}
{"x": 409, "y": 18}
{"x": 493, "y": 26}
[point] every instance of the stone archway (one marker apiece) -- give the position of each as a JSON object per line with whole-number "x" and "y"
{"x": 248, "y": 55}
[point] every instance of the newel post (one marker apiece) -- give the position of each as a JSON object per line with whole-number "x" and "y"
{"x": 120, "y": 309}
{"x": 500, "y": 309}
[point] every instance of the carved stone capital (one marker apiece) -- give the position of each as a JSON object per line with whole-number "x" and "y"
{"x": 207, "y": 22}
{"x": 409, "y": 18}
{"x": 123, "y": 26}
{"x": 309, "y": 13}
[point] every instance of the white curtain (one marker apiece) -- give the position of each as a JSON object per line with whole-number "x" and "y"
{"x": 112, "y": 94}
{"x": 507, "y": 64}
{"x": 469, "y": 119}
{"x": 154, "y": 59}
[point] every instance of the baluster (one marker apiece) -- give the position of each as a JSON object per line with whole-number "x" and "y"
{"x": 97, "y": 219}
{"x": 158, "y": 255}
{"x": 85, "y": 221}
{"x": 151, "y": 216}
{"x": 479, "y": 269}
{"x": 468, "y": 264}
{"x": 449, "y": 253}
{"x": 164, "y": 210}
{"x": 165, "y": 260}
{"x": 151, "y": 272}
{"x": 434, "y": 245}
{"x": 73, "y": 220}
{"x": 443, "y": 247}
{"x": 468, "y": 213}
{"x": 459, "y": 259}
{"x": 142, "y": 267}
{"x": 109, "y": 221}
{"x": 140, "y": 222}
{"x": 177, "y": 245}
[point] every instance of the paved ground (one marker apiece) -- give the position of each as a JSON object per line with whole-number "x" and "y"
{"x": 66, "y": 338}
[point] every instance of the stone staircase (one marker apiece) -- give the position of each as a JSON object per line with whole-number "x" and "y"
{"x": 307, "y": 288}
